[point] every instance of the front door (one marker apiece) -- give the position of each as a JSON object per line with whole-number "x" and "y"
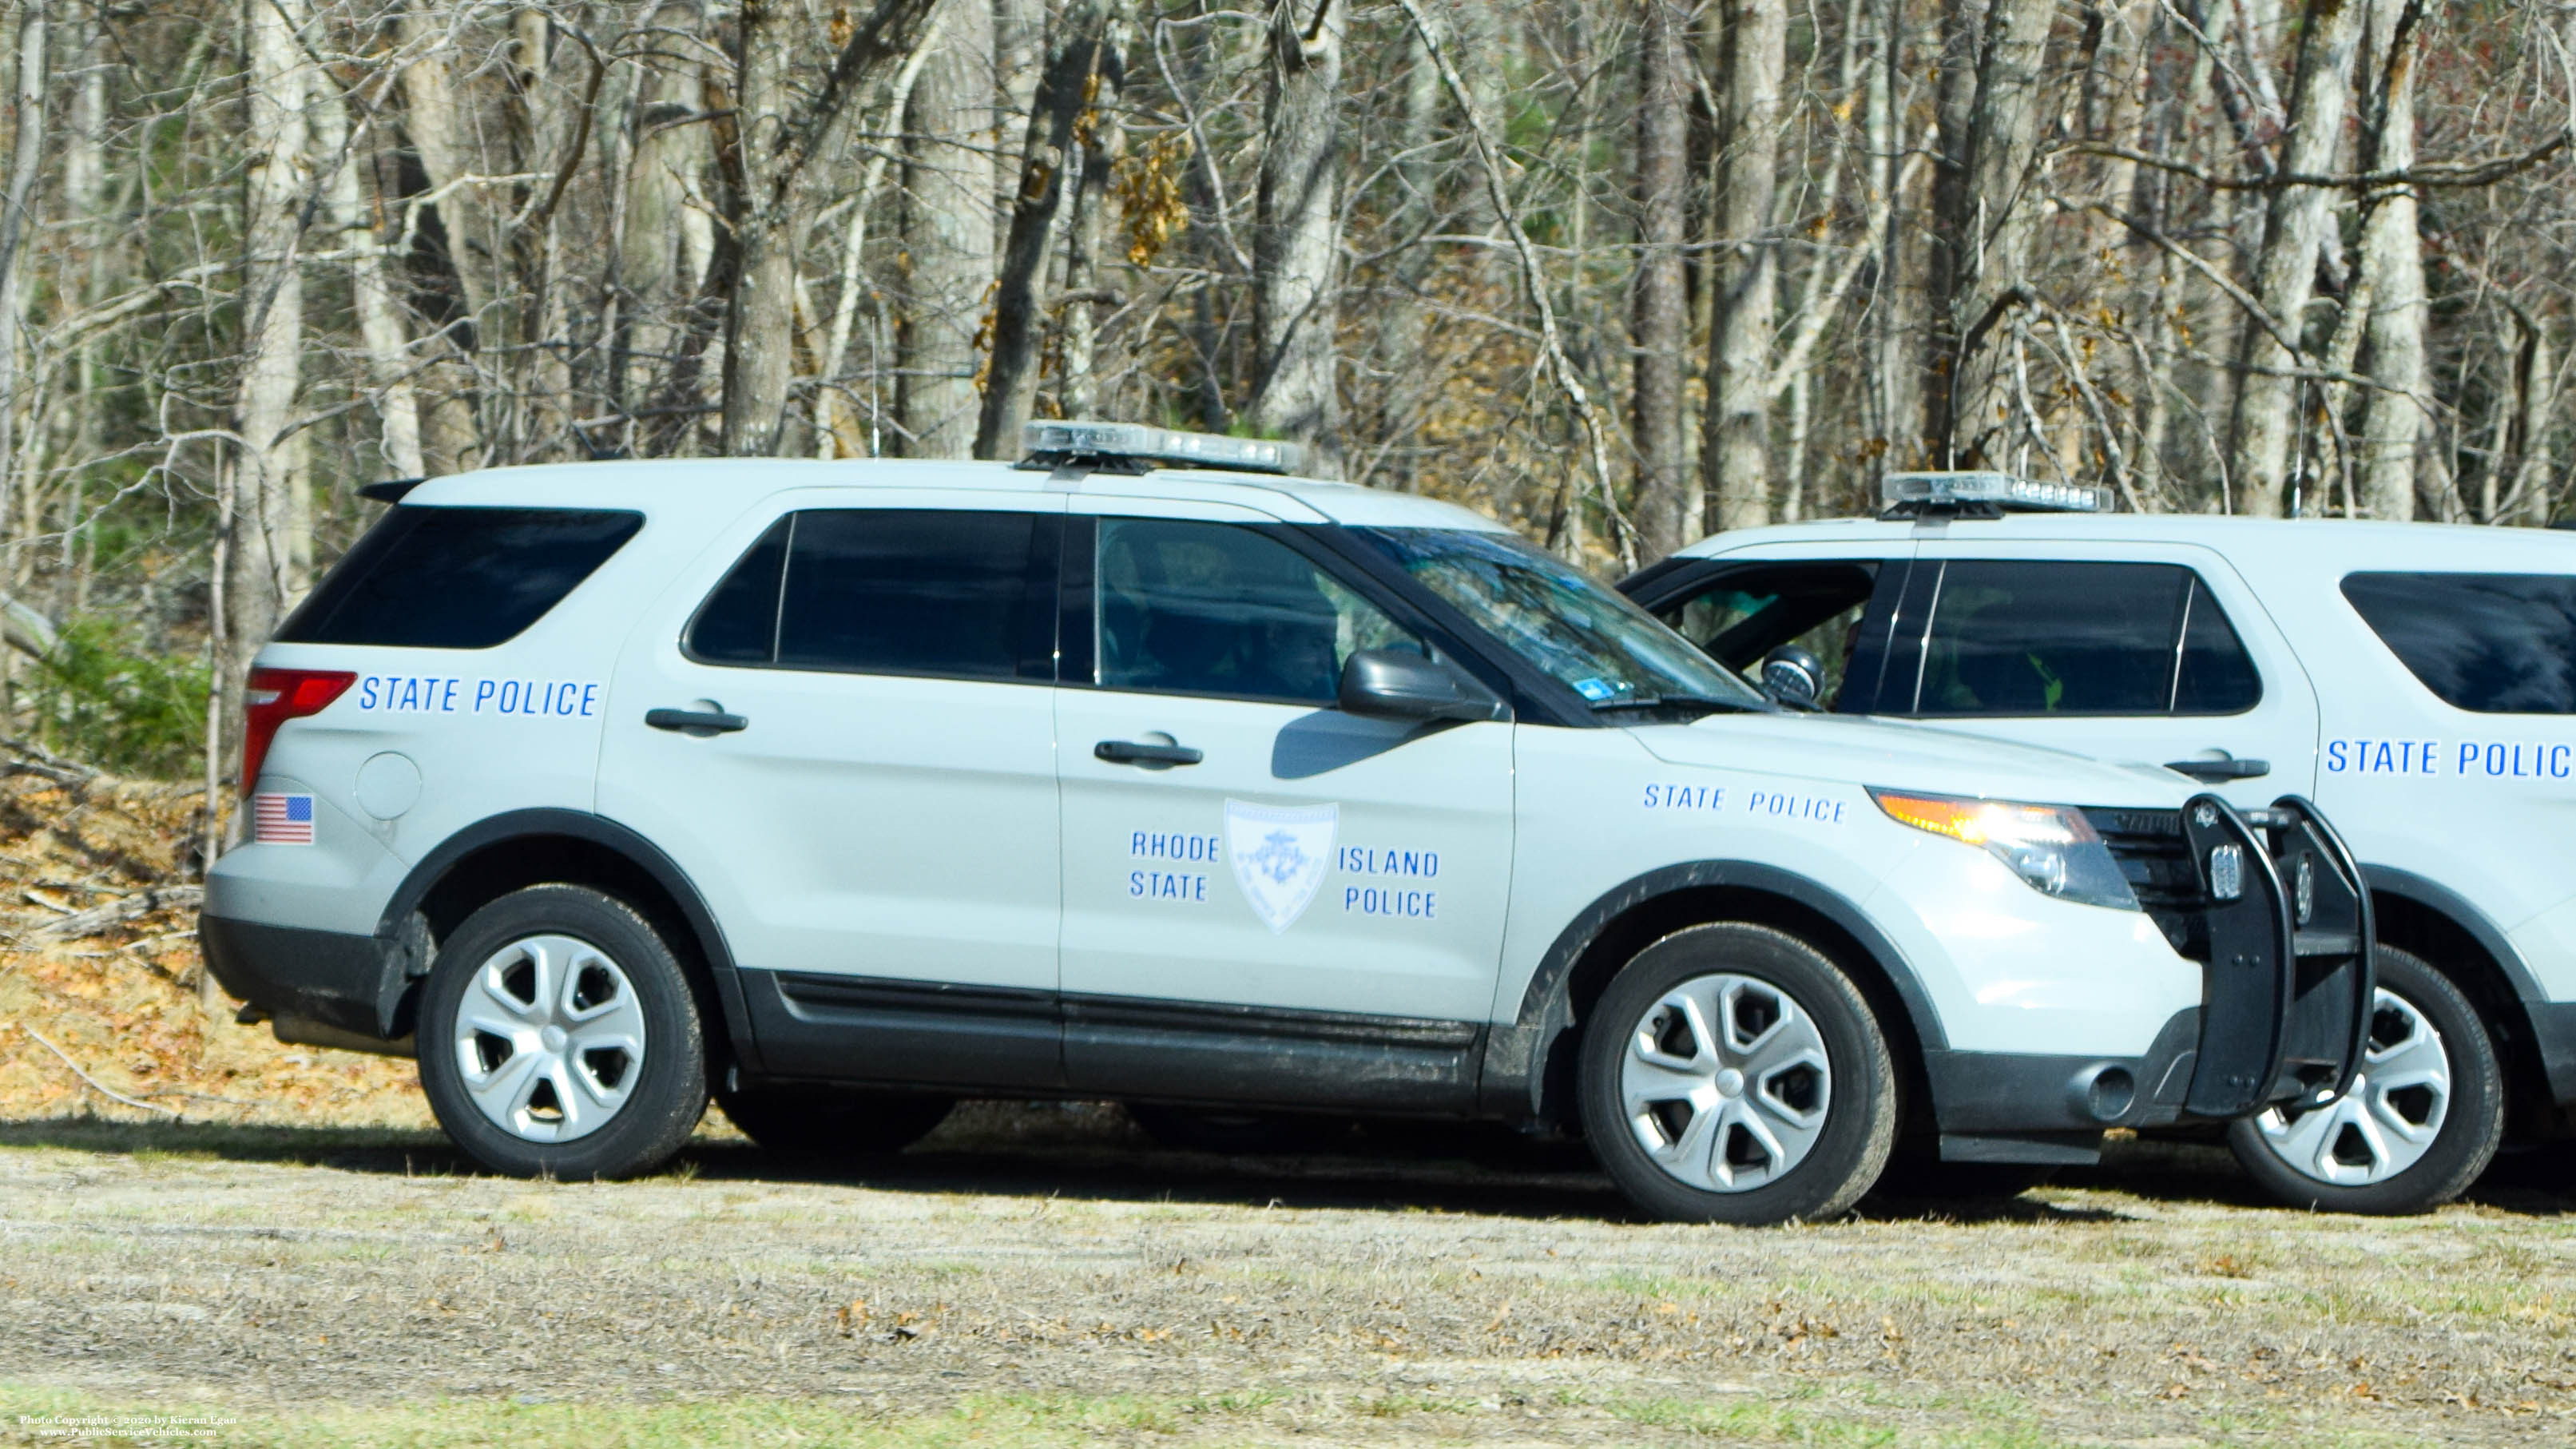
{"x": 1265, "y": 898}
{"x": 860, "y": 778}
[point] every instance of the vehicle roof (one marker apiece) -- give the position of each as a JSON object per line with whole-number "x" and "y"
{"x": 679, "y": 484}
{"x": 2353, "y": 541}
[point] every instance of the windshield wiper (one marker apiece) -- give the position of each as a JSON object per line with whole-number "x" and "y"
{"x": 1680, "y": 701}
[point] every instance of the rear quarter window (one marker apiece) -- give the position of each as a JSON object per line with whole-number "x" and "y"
{"x": 2489, "y": 643}
{"x": 457, "y": 578}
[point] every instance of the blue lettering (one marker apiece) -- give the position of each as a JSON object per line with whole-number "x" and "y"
{"x": 2334, "y": 757}
{"x": 588, "y": 693}
{"x": 2428, "y": 757}
{"x": 2384, "y": 760}
{"x": 2468, "y": 755}
{"x": 509, "y": 696}
{"x": 2558, "y": 762}
{"x": 482, "y": 693}
{"x": 447, "y": 696}
{"x": 2495, "y": 759}
{"x": 367, "y": 692}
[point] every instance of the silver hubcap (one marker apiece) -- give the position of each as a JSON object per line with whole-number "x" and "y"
{"x": 2388, "y": 1121}
{"x": 550, "y": 1038}
{"x": 1725, "y": 1083}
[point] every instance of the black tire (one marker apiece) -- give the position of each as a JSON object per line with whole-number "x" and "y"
{"x": 1856, "y": 1096}
{"x": 832, "y": 1121}
{"x": 2471, "y": 1123}
{"x": 662, "y": 1093}
{"x": 1233, "y": 1132}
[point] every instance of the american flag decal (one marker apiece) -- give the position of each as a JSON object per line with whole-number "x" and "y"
{"x": 282, "y": 819}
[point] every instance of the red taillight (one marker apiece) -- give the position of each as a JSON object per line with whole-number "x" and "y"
{"x": 275, "y": 696}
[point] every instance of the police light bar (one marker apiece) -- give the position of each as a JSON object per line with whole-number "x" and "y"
{"x": 1916, "y": 491}
{"x": 1135, "y": 445}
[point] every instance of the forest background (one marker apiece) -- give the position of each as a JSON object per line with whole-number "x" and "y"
{"x": 1618, "y": 272}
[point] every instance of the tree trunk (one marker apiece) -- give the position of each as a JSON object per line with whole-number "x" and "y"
{"x": 665, "y": 245}
{"x": 26, "y": 171}
{"x": 2392, "y": 267}
{"x": 1735, "y": 452}
{"x": 260, "y": 544}
{"x": 451, "y": 430}
{"x": 2294, "y": 226}
{"x": 1296, "y": 231}
{"x": 779, "y": 132}
{"x": 1076, "y": 46}
{"x": 947, "y": 233}
{"x": 1668, "y": 510}
{"x": 1102, "y": 139}
{"x": 1982, "y": 226}
{"x": 380, "y": 328}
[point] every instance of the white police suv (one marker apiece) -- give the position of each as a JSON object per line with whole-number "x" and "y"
{"x": 1142, "y": 772}
{"x": 2418, "y": 681}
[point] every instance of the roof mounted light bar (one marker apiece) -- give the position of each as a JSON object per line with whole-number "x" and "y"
{"x": 1985, "y": 495}
{"x": 1136, "y": 448}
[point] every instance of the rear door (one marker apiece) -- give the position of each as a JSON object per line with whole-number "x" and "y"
{"x": 840, "y": 728}
{"x": 2136, "y": 653}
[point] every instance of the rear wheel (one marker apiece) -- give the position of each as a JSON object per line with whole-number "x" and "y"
{"x": 830, "y": 1120}
{"x": 558, "y": 1036}
{"x": 1733, "y": 1074}
{"x": 2423, "y": 1118}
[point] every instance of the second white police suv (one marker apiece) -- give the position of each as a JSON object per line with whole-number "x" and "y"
{"x": 1144, "y": 771}
{"x": 2417, "y": 680}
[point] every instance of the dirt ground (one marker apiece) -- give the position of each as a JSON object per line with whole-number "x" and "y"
{"x": 1042, "y": 1275}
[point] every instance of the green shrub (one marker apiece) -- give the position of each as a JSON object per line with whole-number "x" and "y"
{"x": 100, "y": 697}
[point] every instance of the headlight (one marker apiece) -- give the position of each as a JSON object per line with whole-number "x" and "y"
{"x": 2052, "y": 847}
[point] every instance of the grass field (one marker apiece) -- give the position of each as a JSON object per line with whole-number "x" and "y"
{"x": 1041, "y": 1276}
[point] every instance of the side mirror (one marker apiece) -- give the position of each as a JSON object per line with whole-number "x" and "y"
{"x": 1400, "y": 684}
{"x": 1794, "y": 677}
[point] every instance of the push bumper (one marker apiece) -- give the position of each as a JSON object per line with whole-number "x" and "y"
{"x": 2272, "y": 905}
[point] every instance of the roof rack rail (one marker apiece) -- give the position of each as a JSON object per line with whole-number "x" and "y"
{"x": 391, "y": 490}
{"x": 1099, "y": 447}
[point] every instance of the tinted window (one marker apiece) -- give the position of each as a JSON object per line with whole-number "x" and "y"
{"x": 457, "y": 578}
{"x": 2079, "y": 639}
{"x": 1210, "y": 608}
{"x": 890, "y": 591}
{"x": 2494, "y": 643}
{"x": 1751, "y": 611}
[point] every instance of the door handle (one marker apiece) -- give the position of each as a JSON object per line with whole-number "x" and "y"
{"x": 695, "y": 721}
{"x": 2212, "y": 772}
{"x": 1152, "y": 757}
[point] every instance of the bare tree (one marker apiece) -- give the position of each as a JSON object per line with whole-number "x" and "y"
{"x": 947, "y": 232}
{"x": 2392, "y": 266}
{"x": 1735, "y": 455}
{"x": 1296, "y": 231}
{"x": 1668, "y": 510}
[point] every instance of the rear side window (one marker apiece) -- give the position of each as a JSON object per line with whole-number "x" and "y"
{"x": 940, "y": 592}
{"x": 2492, "y": 643}
{"x": 2011, "y": 639}
{"x": 457, "y": 578}
{"x": 1750, "y": 611}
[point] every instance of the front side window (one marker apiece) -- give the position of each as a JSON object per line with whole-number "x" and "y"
{"x": 1587, "y": 637}
{"x": 2492, "y": 643}
{"x": 1217, "y": 609}
{"x": 1750, "y": 611}
{"x": 947, "y": 593}
{"x": 457, "y": 578}
{"x": 2033, "y": 638}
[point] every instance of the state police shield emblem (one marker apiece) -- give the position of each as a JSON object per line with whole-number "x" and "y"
{"x": 1280, "y": 855}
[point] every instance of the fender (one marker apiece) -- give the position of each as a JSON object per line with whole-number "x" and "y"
{"x": 1520, "y": 1058}
{"x": 2553, "y": 1023}
{"x": 704, "y": 931}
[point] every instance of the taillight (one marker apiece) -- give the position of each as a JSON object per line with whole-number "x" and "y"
{"x": 275, "y": 696}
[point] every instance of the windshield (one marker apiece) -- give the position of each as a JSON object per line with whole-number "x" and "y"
{"x": 1585, "y": 636}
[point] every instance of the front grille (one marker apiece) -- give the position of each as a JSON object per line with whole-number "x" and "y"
{"x": 2156, "y": 859}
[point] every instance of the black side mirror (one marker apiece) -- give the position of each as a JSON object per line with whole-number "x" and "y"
{"x": 1794, "y": 677}
{"x": 1400, "y": 684}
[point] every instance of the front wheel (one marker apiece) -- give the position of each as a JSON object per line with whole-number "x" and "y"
{"x": 558, "y": 1036}
{"x": 1733, "y": 1074}
{"x": 2423, "y": 1118}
